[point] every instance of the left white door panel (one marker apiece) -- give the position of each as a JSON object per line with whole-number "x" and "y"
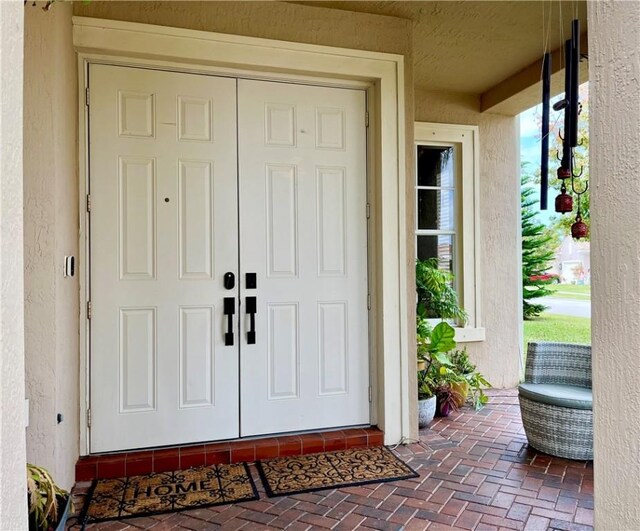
{"x": 163, "y": 182}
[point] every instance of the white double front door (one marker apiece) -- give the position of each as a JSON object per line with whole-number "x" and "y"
{"x": 228, "y": 258}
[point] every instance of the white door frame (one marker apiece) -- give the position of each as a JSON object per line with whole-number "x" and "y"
{"x": 382, "y": 74}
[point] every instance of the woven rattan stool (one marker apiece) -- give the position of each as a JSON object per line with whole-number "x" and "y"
{"x": 556, "y": 401}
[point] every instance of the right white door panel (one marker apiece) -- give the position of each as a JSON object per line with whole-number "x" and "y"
{"x": 303, "y": 231}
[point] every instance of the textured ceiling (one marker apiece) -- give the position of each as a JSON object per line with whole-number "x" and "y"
{"x": 470, "y": 46}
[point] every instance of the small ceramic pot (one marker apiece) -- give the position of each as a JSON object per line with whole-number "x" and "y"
{"x": 426, "y": 411}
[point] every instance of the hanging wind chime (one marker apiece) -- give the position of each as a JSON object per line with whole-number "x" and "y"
{"x": 571, "y": 106}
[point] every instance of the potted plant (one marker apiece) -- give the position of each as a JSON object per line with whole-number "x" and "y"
{"x": 473, "y": 382}
{"x": 445, "y": 376}
{"x": 426, "y": 402}
{"x": 49, "y": 505}
{"x": 433, "y": 344}
{"x": 446, "y": 382}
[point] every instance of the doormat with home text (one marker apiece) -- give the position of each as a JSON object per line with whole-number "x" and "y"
{"x": 330, "y": 470}
{"x": 162, "y": 492}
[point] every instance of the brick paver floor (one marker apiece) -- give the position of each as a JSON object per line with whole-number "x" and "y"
{"x": 476, "y": 472}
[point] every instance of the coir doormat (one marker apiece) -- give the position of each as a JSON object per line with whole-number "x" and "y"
{"x": 358, "y": 466}
{"x": 163, "y": 492}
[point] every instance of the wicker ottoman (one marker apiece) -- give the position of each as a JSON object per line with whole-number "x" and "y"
{"x": 556, "y": 401}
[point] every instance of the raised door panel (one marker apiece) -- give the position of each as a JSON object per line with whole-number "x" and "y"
{"x": 283, "y": 349}
{"x": 333, "y": 345}
{"x": 330, "y": 128}
{"x": 136, "y": 114}
{"x": 194, "y": 119}
{"x": 196, "y": 356}
{"x": 280, "y": 124}
{"x": 282, "y": 220}
{"x": 331, "y": 221}
{"x": 138, "y": 357}
{"x": 137, "y": 218}
{"x": 195, "y": 218}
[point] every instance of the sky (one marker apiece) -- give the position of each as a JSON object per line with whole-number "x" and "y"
{"x": 530, "y": 146}
{"x": 530, "y": 152}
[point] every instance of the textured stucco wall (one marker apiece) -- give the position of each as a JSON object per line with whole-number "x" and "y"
{"x": 614, "y": 79}
{"x": 51, "y": 232}
{"x": 498, "y": 357}
{"x": 13, "y": 507}
{"x": 269, "y": 20}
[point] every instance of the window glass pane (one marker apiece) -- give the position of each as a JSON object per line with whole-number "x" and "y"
{"x": 436, "y": 209}
{"x": 435, "y": 166}
{"x": 440, "y": 247}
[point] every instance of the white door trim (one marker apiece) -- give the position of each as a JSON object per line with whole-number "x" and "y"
{"x": 101, "y": 40}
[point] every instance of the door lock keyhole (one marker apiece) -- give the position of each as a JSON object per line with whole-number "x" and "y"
{"x": 166, "y": 199}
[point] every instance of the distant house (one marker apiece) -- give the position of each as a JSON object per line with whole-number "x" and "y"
{"x": 573, "y": 262}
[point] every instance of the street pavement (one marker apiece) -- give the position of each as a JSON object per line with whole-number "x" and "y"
{"x": 567, "y": 306}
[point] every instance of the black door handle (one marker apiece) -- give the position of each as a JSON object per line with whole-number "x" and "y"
{"x": 251, "y": 310}
{"x": 229, "y": 311}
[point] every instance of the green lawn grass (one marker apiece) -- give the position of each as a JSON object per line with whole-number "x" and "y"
{"x": 571, "y": 291}
{"x": 561, "y": 328}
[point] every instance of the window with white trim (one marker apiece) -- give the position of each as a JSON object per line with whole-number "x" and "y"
{"x": 446, "y": 222}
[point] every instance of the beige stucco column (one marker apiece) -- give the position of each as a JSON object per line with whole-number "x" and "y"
{"x": 13, "y": 509}
{"x": 614, "y": 74}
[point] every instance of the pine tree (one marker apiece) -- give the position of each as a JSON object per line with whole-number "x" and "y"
{"x": 538, "y": 250}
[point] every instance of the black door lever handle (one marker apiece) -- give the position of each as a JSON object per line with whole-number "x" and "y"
{"x": 251, "y": 311}
{"x": 229, "y": 311}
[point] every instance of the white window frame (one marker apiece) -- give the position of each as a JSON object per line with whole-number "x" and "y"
{"x": 467, "y": 247}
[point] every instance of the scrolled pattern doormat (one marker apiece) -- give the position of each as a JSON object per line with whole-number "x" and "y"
{"x": 307, "y": 473}
{"x": 161, "y": 492}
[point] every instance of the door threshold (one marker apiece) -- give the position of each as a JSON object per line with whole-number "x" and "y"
{"x": 137, "y": 462}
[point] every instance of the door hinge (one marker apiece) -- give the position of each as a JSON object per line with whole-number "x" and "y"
{"x": 366, "y": 119}
{"x": 368, "y": 301}
{"x": 88, "y": 309}
{"x": 370, "y": 394}
{"x": 89, "y": 417}
{"x": 86, "y": 96}
{"x": 88, "y": 202}
{"x": 368, "y": 210}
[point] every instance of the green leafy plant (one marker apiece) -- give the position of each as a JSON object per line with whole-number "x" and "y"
{"x": 446, "y": 372}
{"x": 442, "y": 371}
{"x": 476, "y": 381}
{"x": 436, "y": 296}
{"x": 44, "y": 496}
{"x": 432, "y": 353}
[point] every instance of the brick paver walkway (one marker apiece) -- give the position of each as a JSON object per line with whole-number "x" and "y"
{"x": 476, "y": 472}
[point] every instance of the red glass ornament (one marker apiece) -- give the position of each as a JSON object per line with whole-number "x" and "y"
{"x": 564, "y": 173}
{"x": 564, "y": 203}
{"x": 579, "y": 229}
